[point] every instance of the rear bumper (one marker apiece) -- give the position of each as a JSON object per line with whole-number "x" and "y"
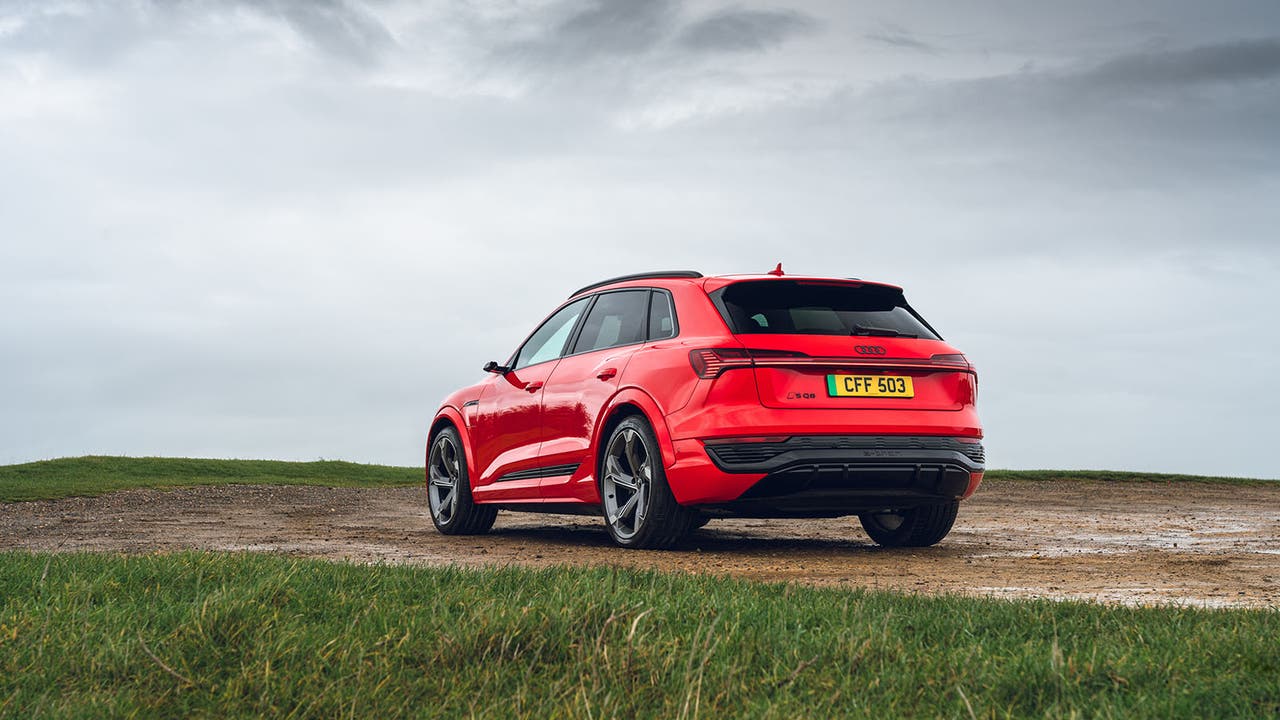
{"x": 824, "y": 475}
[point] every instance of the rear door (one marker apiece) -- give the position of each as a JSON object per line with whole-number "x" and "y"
{"x": 585, "y": 380}
{"x": 842, "y": 345}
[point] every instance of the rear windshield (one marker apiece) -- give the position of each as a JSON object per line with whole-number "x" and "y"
{"x": 780, "y": 307}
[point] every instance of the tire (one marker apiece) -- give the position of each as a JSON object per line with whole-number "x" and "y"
{"x": 639, "y": 510}
{"x": 449, "y": 489}
{"x": 700, "y": 521}
{"x": 918, "y": 527}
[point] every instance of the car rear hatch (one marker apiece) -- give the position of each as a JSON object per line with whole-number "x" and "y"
{"x": 843, "y": 345}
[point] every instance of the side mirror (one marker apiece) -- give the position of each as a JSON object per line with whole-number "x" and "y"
{"x": 494, "y": 367}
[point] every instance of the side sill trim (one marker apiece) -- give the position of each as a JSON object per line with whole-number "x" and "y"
{"x": 549, "y": 471}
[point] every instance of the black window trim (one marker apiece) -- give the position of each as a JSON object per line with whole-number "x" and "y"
{"x": 577, "y": 330}
{"x": 648, "y": 308}
{"x": 648, "y": 318}
{"x": 582, "y": 319}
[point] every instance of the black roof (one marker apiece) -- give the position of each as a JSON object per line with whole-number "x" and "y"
{"x": 640, "y": 276}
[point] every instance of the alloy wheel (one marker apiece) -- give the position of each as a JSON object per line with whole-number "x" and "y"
{"x": 628, "y": 472}
{"x": 443, "y": 474}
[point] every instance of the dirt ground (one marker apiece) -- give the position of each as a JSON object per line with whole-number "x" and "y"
{"x": 1134, "y": 543}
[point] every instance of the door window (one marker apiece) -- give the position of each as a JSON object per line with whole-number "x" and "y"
{"x": 547, "y": 343}
{"x": 617, "y": 318}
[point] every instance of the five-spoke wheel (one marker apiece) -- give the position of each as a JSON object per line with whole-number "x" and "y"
{"x": 443, "y": 473}
{"x": 628, "y": 471}
{"x": 639, "y": 509}
{"x": 449, "y": 489}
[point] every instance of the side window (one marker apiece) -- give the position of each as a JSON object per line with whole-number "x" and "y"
{"x": 662, "y": 322}
{"x": 548, "y": 342}
{"x": 617, "y": 318}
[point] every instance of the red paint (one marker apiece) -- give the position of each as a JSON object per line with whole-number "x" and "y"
{"x": 553, "y": 413}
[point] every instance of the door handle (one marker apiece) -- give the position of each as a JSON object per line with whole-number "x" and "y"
{"x": 607, "y": 373}
{"x": 533, "y": 387}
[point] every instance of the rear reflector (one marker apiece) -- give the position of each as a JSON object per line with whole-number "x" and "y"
{"x": 975, "y": 479}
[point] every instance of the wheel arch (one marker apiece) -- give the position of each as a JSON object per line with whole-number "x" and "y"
{"x": 450, "y": 416}
{"x": 632, "y": 401}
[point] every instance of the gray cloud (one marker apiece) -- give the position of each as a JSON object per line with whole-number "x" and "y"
{"x": 1240, "y": 61}
{"x": 339, "y": 27}
{"x": 899, "y": 37}
{"x": 604, "y": 29}
{"x": 101, "y": 32}
{"x": 742, "y": 30}
{"x": 212, "y": 243}
{"x": 1101, "y": 124}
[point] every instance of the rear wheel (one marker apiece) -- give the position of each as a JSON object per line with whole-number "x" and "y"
{"x": 639, "y": 509}
{"x": 449, "y": 489}
{"x": 917, "y": 527}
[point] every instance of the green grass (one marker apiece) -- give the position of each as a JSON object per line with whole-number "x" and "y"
{"x": 221, "y": 635}
{"x": 87, "y": 476}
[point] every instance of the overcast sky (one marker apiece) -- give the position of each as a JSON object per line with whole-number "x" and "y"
{"x": 286, "y": 229}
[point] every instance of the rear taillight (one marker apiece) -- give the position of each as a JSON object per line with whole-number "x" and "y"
{"x": 709, "y": 363}
{"x": 952, "y": 359}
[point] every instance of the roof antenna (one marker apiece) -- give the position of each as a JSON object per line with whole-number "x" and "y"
{"x": 777, "y": 271}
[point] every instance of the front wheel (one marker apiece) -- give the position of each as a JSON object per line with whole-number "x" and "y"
{"x": 449, "y": 489}
{"x": 639, "y": 509}
{"x": 918, "y": 527}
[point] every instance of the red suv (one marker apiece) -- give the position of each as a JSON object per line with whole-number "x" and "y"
{"x": 662, "y": 400}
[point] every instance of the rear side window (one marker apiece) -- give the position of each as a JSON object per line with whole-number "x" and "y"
{"x": 798, "y": 308}
{"x": 662, "y": 321}
{"x": 617, "y": 318}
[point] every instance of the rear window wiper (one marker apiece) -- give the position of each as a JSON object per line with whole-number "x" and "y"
{"x": 879, "y": 331}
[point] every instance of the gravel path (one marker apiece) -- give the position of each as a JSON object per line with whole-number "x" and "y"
{"x": 1136, "y": 543}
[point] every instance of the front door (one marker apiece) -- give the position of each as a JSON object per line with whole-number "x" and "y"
{"x": 508, "y": 428}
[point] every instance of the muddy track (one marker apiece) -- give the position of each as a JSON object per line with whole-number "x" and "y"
{"x": 1137, "y": 543}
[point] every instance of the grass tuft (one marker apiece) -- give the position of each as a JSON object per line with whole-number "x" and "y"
{"x": 242, "y": 635}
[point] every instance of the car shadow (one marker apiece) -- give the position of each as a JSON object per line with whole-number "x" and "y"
{"x": 715, "y": 540}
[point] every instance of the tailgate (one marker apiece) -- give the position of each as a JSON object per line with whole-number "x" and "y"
{"x": 860, "y": 374}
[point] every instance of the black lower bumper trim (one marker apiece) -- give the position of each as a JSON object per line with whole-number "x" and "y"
{"x": 831, "y": 476}
{"x": 756, "y": 457}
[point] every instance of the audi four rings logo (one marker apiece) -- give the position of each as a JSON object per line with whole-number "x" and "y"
{"x": 868, "y": 349}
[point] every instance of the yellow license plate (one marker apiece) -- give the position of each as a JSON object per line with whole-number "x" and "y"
{"x": 890, "y": 386}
